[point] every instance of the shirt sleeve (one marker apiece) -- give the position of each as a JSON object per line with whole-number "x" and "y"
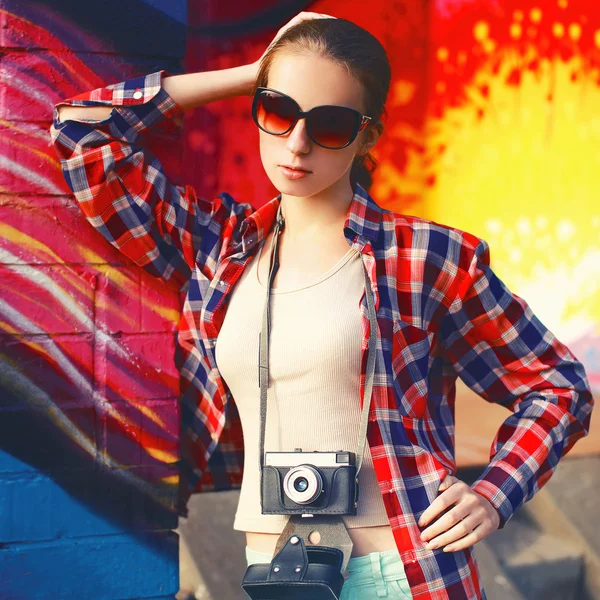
{"x": 122, "y": 188}
{"x": 503, "y": 352}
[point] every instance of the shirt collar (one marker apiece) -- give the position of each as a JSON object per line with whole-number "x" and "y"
{"x": 362, "y": 219}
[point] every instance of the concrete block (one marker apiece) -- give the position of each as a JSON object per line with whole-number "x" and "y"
{"x": 137, "y": 367}
{"x": 42, "y": 229}
{"x": 78, "y": 503}
{"x": 97, "y": 568}
{"x": 45, "y": 371}
{"x": 118, "y": 300}
{"x": 49, "y": 299}
{"x": 47, "y": 439}
{"x": 139, "y": 433}
{"x": 153, "y": 28}
{"x": 160, "y": 304}
{"x": 30, "y": 164}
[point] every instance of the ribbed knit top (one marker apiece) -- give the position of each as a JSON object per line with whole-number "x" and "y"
{"x": 313, "y": 398}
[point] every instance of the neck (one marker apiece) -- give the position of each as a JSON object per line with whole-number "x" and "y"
{"x": 308, "y": 218}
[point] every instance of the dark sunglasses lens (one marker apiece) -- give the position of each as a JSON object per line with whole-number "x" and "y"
{"x": 333, "y": 126}
{"x": 275, "y": 113}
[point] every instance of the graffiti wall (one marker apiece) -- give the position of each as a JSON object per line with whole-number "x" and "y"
{"x": 89, "y": 422}
{"x": 491, "y": 128}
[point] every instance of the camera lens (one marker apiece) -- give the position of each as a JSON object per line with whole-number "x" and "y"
{"x": 301, "y": 484}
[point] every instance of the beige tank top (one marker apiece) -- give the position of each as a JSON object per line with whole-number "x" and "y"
{"x": 313, "y": 398}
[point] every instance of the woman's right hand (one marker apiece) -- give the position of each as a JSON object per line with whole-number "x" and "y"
{"x": 302, "y": 16}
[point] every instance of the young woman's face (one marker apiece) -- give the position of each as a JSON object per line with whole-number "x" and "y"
{"x": 310, "y": 81}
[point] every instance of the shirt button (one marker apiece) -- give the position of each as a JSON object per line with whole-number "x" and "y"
{"x": 137, "y": 95}
{"x": 221, "y": 282}
{"x": 214, "y": 436}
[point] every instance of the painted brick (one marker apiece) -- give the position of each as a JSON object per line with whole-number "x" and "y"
{"x": 47, "y": 438}
{"x": 139, "y": 433}
{"x": 56, "y": 300}
{"x": 157, "y": 509}
{"x": 59, "y": 366}
{"x": 118, "y": 307}
{"x": 100, "y": 568}
{"x": 69, "y": 531}
{"x": 30, "y": 163}
{"x": 12, "y": 464}
{"x": 160, "y": 424}
{"x": 82, "y": 502}
{"x": 133, "y": 367}
{"x": 160, "y": 304}
{"x": 41, "y": 229}
{"x": 121, "y": 435}
{"x": 157, "y": 28}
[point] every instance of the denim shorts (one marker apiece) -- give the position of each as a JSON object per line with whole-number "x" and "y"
{"x": 375, "y": 575}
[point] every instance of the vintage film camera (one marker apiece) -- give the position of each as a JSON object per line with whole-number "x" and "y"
{"x": 309, "y": 483}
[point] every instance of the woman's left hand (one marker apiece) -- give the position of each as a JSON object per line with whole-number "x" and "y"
{"x": 470, "y": 520}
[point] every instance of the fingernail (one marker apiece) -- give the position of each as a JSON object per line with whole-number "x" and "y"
{"x": 431, "y": 545}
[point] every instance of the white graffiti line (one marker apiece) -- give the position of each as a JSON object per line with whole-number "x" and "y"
{"x": 15, "y": 168}
{"x": 13, "y": 378}
{"x": 20, "y": 84}
{"x": 47, "y": 283}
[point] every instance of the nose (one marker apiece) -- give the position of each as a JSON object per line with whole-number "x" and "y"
{"x": 297, "y": 139}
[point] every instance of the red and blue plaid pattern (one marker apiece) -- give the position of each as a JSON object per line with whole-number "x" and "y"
{"x": 442, "y": 313}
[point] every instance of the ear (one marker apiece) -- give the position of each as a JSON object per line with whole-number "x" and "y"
{"x": 371, "y": 137}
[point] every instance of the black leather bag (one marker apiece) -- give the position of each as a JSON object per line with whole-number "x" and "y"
{"x": 297, "y": 572}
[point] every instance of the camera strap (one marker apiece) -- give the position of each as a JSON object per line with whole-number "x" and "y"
{"x": 332, "y": 525}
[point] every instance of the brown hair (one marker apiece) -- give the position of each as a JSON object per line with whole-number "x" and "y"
{"x": 355, "y": 49}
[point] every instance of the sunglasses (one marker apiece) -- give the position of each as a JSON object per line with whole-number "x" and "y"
{"x": 332, "y": 127}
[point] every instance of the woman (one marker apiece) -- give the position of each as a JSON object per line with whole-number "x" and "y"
{"x": 441, "y": 311}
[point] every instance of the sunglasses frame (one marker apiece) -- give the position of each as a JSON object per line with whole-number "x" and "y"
{"x": 364, "y": 120}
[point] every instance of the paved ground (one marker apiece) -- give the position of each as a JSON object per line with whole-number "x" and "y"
{"x": 212, "y": 556}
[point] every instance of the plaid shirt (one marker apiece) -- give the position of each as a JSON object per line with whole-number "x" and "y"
{"x": 442, "y": 313}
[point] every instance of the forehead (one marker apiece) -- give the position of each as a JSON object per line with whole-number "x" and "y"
{"x": 314, "y": 80}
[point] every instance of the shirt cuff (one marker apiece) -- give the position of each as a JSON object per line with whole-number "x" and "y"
{"x": 145, "y": 92}
{"x": 496, "y": 496}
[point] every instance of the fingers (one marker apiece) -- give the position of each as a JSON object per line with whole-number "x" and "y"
{"x": 449, "y": 496}
{"x": 463, "y": 527}
{"x": 450, "y": 520}
{"x": 478, "y": 533}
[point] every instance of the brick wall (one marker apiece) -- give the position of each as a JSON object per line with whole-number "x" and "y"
{"x": 89, "y": 420}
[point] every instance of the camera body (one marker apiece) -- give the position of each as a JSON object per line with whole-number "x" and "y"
{"x": 311, "y": 483}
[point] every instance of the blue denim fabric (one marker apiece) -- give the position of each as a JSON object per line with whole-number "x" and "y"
{"x": 373, "y": 576}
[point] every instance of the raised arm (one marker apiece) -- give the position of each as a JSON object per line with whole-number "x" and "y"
{"x": 504, "y": 353}
{"x": 120, "y": 185}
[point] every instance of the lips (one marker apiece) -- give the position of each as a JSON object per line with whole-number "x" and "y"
{"x": 295, "y": 168}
